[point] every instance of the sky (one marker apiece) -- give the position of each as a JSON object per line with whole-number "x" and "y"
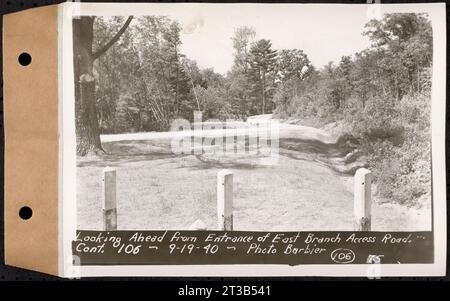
{"x": 324, "y": 32}
{"x": 324, "y": 35}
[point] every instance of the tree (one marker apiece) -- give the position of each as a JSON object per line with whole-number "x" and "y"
{"x": 237, "y": 81}
{"x": 87, "y": 125}
{"x": 293, "y": 63}
{"x": 406, "y": 41}
{"x": 160, "y": 82}
{"x": 213, "y": 103}
{"x": 242, "y": 40}
{"x": 262, "y": 61}
{"x": 112, "y": 72}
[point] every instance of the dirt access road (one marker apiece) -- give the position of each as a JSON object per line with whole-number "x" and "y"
{"x": 157, "y": 189}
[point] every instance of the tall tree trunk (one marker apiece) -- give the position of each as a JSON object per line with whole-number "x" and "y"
{"x": 262, "y": 91}
{"x": 418, "y": 78}
{"x": 87, "y": 128}
{"x": 177, "y": 85}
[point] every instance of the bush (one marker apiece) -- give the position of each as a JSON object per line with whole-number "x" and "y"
{"x": 396, "y": 139}
{"x": 377, "y": 120}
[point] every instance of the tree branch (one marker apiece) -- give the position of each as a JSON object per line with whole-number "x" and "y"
{"x": 108, "y": 45}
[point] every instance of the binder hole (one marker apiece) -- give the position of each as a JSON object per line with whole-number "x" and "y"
{"x": 25, "y": 212}
{"x": 24, "y": 59}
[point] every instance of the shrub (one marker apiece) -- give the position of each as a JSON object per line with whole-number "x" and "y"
{"x": 396, "y": 139}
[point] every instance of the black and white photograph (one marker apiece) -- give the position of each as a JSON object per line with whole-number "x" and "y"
{"x": 354, "y": 94}
{"x": 255, "y": 117}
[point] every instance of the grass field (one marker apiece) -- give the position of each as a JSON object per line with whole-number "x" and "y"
{"x": 159, "y": 190}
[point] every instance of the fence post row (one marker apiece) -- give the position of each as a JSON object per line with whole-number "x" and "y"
{"x": 362, "y": 199}
{"x": 225, "y": 200}
{"x": 109, "y": 199}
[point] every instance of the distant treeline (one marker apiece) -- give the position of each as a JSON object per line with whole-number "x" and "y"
{"x": 144, "y": 82}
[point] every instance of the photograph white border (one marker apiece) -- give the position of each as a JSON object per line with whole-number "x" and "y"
{"x": 67, "y": 142}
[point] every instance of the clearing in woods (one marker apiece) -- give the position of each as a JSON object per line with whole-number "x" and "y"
{"x": 157, "y": 189}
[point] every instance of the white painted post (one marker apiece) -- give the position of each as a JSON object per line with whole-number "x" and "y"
{"x": 225, "y": 200}
{"x": 198, "y": 133}
{"x": 362, "y": 199}
{"x": 109, "y": 199}
{"x": 198, "y": 116}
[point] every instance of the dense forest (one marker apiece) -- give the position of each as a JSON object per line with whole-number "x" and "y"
{"x": 380, "y": 96}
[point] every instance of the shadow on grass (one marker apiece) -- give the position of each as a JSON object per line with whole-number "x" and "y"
{"x": 338, "y": 149}
{"x": 211, "y": 163}
{"x": 323, "y": 154}
{"x": 123, "y": 152}
{"x": 115, "y": 160}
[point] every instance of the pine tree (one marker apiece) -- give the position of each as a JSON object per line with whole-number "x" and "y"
{"x": 262, "y": 63}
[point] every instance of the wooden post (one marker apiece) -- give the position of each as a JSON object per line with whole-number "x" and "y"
{"x": 198, "y": 116}
{"x": 198, "y": 133}
{"x": 225, "y": 200}
{"x": 109, "y": 199}
{"x": 362, "y": 199}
